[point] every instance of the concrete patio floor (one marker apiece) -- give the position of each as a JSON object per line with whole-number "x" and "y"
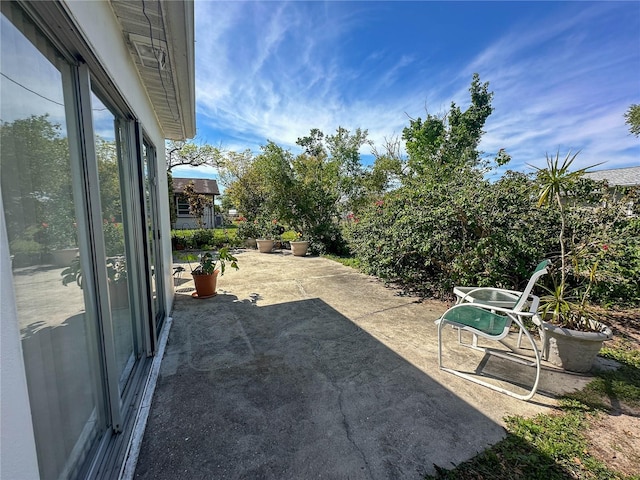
{"x": 304, "y": 368}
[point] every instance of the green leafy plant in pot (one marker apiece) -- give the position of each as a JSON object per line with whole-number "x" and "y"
{"x": 205, "y": 273}
{"x": 571, "y": 334}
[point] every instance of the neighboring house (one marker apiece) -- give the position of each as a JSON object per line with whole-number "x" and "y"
{"x": 89, "y": 92}
{"x": 617, "y": 177}
{"x": 202, "y": 186}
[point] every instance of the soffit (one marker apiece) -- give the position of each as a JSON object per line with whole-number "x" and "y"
{"x": 160, "y": 39}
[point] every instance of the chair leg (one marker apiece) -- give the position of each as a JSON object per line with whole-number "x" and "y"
{"x": 515, "y": 358}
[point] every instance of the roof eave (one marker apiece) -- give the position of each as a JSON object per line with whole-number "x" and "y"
{"x": 179, "y": 20}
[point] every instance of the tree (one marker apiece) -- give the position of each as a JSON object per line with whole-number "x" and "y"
{"x": 197, "y": 202}
{"x": 389, "y": 168}
{"x": 556, "y": 181}
{"x": 182, "y": 153}
{"x": 632, "y": 117}
{"x": 344, "y": 148}
{"x": 108, "y": 172}
{"x": 341, "y": 153}
{"x": 441, "y": 145}
{"x": 36, "y": 181}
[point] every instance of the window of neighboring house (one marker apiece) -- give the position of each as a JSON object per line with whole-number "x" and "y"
{"x": 183, "y": 206}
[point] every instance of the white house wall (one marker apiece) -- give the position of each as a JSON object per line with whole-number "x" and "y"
{"x": 107, "y": 42}
{"x": 18, "y": 454}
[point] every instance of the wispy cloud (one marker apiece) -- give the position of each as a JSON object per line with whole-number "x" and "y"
{"x": 563, "y": 80}
{"x": 559, "y": 89}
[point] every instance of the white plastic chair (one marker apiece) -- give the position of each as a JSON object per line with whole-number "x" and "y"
{"x": 504, "y": 298}
{"x": 489, "y": 313}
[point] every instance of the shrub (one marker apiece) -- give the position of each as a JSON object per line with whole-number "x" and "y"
{"x": 203, "y": 239}
{"x": 247, "y": 229}
{"x": 432, "y": 237}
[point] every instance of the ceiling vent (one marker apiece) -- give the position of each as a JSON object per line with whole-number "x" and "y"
{"x": 153, "y": 56}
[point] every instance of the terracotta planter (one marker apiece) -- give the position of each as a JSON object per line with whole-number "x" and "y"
{"x": 573, "y": 350}
{"x": 264, "y": 246}
{"x": 299, "y": 249}
{"x": 205, "y": 285}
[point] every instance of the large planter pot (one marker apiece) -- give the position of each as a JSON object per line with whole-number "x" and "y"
{"x": 205, "y": 285}
{"x": 299, "y": 249}
{"x": 250, "y": 243}
{"x": 63, "y": 257}
{"x": 574, "y": 350}
{"x": 264, "y": 246}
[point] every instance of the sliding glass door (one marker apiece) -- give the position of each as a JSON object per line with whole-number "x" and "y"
{"x": 154, "y": 257}
{"x": 79, "y": 201}
{"x": 42, "y": 199}
{"x": 112, "y": 175}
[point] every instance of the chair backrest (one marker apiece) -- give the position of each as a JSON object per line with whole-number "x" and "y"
{"x": 540, "y": 270}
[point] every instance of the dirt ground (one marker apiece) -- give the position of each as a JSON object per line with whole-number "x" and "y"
{"x": 615, "y": 437}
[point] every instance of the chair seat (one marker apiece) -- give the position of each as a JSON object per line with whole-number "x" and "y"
{"x": 483, "y": 320}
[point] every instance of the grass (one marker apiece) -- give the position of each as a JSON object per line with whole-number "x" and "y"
{"x": 553, "y": 446}
{"x": 352, "y": 262}
{"x": 622, "y": 384}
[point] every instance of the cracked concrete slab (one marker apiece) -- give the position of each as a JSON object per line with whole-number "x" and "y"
{"x": 303, "y": 368}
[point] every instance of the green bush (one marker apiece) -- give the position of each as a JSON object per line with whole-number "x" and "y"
{"x": 468, "y": 231}
{"x": 248, "y": 229}
{"x": 430, "y": 238}
{"x": 204, "y": 239}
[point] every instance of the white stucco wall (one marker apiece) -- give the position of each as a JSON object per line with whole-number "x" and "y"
{"x": 17, "y": 444}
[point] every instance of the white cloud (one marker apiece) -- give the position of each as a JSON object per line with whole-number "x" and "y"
{"x": 274, "y": 71}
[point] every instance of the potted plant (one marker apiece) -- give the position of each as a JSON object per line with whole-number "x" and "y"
{"x": 571, "y": 331}
{"x": 205, "y": 274}
{"x": 116, "y": 278}
{"x": 248, "y": 231}
{"x": 269, "y": 231}
{"x": 299, "y": 246}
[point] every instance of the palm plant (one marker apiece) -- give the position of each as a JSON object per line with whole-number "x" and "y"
{"x": 556, "y": 182}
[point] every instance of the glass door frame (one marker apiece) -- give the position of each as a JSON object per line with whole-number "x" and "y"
{"x": 153, "y": 261}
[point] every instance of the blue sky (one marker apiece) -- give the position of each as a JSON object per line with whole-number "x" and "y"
{"x": 562, "y": 73}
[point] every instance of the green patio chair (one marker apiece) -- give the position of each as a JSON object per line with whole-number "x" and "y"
{"x": 501, "y": 297}
{"x": 489, "y": 313}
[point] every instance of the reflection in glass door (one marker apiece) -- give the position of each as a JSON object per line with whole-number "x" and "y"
{"x": 42, "y": 199}
{"x": 153, "y": 235}
{"x": 116, "y": 236}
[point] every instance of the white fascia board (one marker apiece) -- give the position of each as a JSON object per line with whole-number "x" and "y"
{"x": 180, "y": 34}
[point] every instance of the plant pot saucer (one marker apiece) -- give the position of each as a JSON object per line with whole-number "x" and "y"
{"x": 195, "y": 295}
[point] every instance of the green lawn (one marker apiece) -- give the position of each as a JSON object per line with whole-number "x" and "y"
{"x": 554, "y": 446}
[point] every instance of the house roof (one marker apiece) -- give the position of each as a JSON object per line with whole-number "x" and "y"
{"x": 202, "y": 186}
{"x": 161, "y": 41}
{"x": 624, "y": 177}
